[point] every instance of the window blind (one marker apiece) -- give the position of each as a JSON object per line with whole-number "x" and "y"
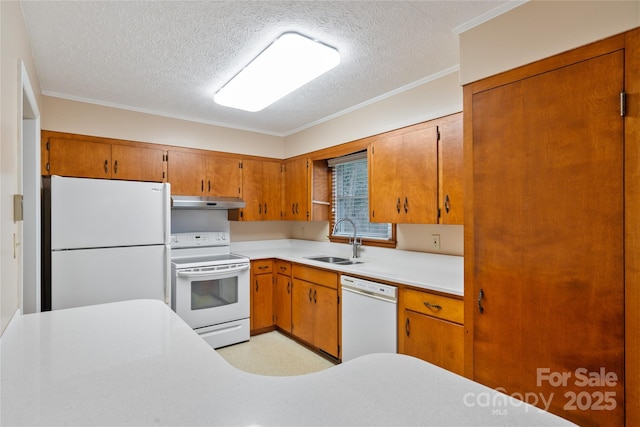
{"x": 351, "y": 198}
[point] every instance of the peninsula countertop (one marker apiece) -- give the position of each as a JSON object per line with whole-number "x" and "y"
{"x": 137, "y": 363}
{"x": 441, "y": 273}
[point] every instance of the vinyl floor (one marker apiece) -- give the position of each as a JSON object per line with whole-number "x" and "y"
{"x": 273, "y": 354}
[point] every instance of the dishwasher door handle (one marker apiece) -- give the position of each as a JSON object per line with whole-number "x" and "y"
{"x": 368, "y": 294}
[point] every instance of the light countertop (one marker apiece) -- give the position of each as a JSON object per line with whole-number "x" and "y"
{"x": 137, "y": 363}
{"x": 442, "y": 273}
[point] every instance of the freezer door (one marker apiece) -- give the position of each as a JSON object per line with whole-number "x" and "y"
{"x": 95, "y": 213}
{"x": 96, "y": 276}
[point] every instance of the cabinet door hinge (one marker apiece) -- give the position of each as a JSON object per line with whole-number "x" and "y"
{"x": 623, "y": 104}
{"x": 166, "y": 157}
{"x": 48, "y": 145}
{"x": 438, "y": 133}
{"x": 240, "y": 165}
{"x": 307, "y": 164}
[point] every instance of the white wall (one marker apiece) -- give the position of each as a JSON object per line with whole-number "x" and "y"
{"x": 64, "y": 115}
{"x": 436, "y": 98}
{"x": 13, "y": 48}
{"x": 539, "y": 29}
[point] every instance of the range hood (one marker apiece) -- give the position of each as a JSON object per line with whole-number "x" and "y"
{"x": 206, "y": 202}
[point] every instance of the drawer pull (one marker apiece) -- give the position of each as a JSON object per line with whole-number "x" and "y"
{"x": 263, "y": 267}
{"x": 433, "y": 306}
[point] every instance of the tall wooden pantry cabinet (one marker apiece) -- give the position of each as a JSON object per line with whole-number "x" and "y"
{"x": 550, "y": 241}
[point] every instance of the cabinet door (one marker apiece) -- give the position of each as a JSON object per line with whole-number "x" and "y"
{"x": 548, "y": 235}
{"x": 137, "y": 163}
{"x": 326, "y": 319}
{"x": 418, "y": 171}
{"x": 252, "y": 179}
{"x": 436, "y": 341}
{"x": 73, "y": 157}
{"x": 262, "y": 300}
{"x": 384, "y": 185}
{"x": 283, "y": 302}
{"x": 223, "y": 176}
{"x": 186, "y": 173}
{"x": 451, "y": 170}
{"x": 271, "y": 191}
{"x": 297, "y": 192}
{"x": 302, "y": 310}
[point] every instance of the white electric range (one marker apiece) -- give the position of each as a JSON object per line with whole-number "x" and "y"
{"x": 210, "y": 287}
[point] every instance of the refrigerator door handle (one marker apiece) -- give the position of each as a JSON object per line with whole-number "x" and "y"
{"x": 167, "y": 275}
{"x": 167, "y": 213}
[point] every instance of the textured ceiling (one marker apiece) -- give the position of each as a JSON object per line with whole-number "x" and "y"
{"x": 169, "y": 57}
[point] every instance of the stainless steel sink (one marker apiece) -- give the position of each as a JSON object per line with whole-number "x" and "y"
{"x": 334, "y": 260}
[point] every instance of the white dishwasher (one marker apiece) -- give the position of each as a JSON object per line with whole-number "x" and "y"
{"x": 369, "y": 318}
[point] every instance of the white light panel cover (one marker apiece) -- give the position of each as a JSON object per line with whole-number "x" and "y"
{"x": 287, "y": 64}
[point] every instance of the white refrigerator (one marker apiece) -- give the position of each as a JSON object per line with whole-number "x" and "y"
{"x": 108, "y": 241}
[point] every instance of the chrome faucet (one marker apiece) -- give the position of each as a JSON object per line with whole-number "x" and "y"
{"x": 353, "y": 242}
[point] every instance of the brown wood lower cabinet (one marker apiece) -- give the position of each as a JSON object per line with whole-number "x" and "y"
{"x": 261, "y": 294}
{"x": 430, "y": 328}
{"x": 315, "y": 308}
{"x": 282, "y": 295}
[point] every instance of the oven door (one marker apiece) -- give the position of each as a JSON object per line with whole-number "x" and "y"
{"x": 208, "y": 296}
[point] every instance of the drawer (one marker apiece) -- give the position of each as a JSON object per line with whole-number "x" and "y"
{"x": 439, "y": 306}
{"x": 283, "y": 267}
{"x": 315, "y": 275}
{"x": 262, "y": 266}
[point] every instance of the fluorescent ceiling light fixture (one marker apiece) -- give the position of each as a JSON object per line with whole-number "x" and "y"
{"x": 288, "y": 63}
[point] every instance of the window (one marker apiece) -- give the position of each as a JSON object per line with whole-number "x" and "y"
{"x": 351, "y": 199}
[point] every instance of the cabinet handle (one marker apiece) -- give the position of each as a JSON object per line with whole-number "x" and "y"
{"x": 433, "y": 306}
{"x": 480, "y": 296}
{"x": 310, "y": 292}
{"x": 406, "y": 205}
{"x": 209, "y": 186}
{"x": 293, "y": 208}
{"x": 263, "y": 267}
{"x": 407, "y": 327}
{"x": 297, "y": 207}
{"x": 265, "y": 208}
{"x": 446, "y": 203}
{"x": 283, "y": 268}
{"x": 288, "y": 287}
{"x": 398, "y": 205}
{"x": 202, "y": 185}
{"x": 260, "y": 209}
{"x": 256, "y": 285}
{"x": 106, "y": 166}
{"x": 315, "y": 293}
{"x": 115, "y": 167}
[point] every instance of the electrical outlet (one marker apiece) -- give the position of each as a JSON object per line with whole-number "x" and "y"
{"x": 435, "y": 242}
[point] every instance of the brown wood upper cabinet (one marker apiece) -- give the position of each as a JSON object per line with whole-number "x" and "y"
{"x": 451, "y": 172}
{"x": 297, "y": 183}
{"x": 261, "y": 191}
{"x": 192, "y": 173}
{"x": 72, "y": 155}
{"x": 416, "y": 174}
{"x": 404, "y": 177}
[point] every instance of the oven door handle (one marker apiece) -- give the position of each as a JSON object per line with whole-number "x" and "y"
{"x": 213, "y": 273}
